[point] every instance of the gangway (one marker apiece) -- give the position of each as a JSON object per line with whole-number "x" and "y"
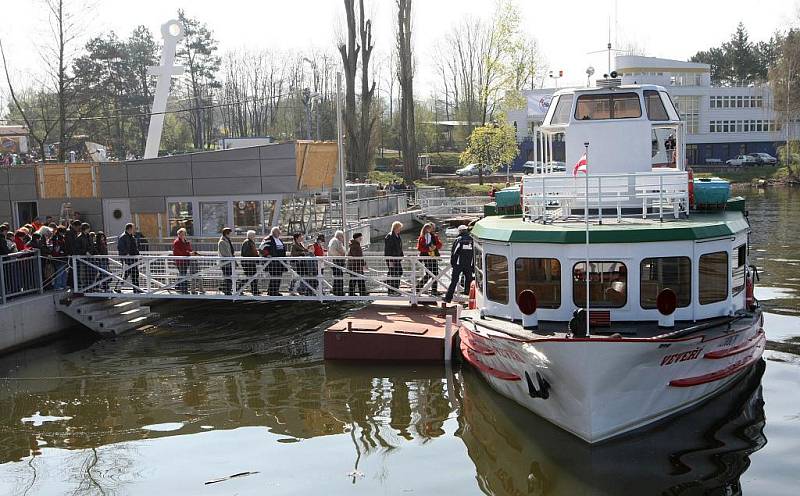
{"x": 411, "y": 279}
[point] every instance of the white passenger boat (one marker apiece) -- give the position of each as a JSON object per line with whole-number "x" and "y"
{"x": 671, "y": 319}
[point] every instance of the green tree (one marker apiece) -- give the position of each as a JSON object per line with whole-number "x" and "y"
{"x": 197, "y": 51}
{"x": 738, "y": 60}
{"x": 492, "y": 145}
{"x": 785, "y": 82}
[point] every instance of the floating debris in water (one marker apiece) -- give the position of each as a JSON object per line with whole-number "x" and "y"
{"x": 165, "y": 427}
{"x": 206, "y": 427}
{"x": 223, "y": 479}
{"x": 39, "y": 420}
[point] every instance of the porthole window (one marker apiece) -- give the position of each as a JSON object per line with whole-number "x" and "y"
{"x": 117, "y": 213}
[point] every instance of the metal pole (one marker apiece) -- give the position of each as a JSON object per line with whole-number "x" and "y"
{"x": 340, "y": 149}
{"x": 586, "y": 218}
{"x": 3, "y": 277}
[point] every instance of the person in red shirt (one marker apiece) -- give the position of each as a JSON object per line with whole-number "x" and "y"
{"x": 182, "y": 247}
{"x": 319, "y": 246}
{"x": 428, "y": 245}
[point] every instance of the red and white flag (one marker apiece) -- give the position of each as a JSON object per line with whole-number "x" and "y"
{"x": 581, "y": 166}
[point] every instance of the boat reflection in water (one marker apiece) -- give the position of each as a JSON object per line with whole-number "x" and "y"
{"x": 702, "y": 452}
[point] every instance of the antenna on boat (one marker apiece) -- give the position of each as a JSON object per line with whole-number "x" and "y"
{"x": 609, "y": 47}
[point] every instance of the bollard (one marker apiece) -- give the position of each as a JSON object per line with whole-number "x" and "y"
{"x": 349, "y": 326}
{"x": 448, "y": 338}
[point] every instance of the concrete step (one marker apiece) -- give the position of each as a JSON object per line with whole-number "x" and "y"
{"x": 94, "y": 304}
{"x": 110, "y": 311}
{"x": 130, "y": 325}
{"x": 125, "y": 316}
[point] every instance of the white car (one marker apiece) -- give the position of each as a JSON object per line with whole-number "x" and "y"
{"x": 741, "y": 160}
{"x": 764, "y": 158}
{"x": 472, "y": 170}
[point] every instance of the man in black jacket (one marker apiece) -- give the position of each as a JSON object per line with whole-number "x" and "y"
{"x": 462, "y": 261}
{"x": 393, "y": 247}
{"x": 4, "y": 250}
{"x": 273, "y": 247}
{"x": 127, "y": 246}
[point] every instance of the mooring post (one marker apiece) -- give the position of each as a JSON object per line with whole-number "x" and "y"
{"x": 448, "y": 338}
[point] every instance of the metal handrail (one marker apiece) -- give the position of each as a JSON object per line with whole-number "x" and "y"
{"x": 548, "y": 198}
{"x": 20, "y": 274}
{"x": 413, "y": 278}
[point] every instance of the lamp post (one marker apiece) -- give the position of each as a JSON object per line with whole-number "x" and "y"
{"x": 310, "y": 98}
{"x": 556, "y": 78}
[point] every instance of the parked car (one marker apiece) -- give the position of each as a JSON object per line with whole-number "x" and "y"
{"x": 536, "y": 167}
{"x": 764, "y": 158}
{"x": 472, "y": 170}
{"x": 741, "y": 160}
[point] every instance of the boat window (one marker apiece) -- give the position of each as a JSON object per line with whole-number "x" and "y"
{"x": 656, "y": 274}
{"x": 542, "y": 276}
{"x": 737, "y": 268}
{"x": 608, "y": 106}
{"x": 179, "y": 213}
{"x": 497, "y": 278}
{"x": 563, "y": 108}
{"x": 655, "y": 107}
{"x": 608, "y": 284}
{"x": 478, "y": 267}
{"x": 713, "y": 277}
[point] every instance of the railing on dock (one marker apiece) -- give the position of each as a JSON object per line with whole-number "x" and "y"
{"x": 20, "y": 274}
{"x": 548, "y": 198}
{"x": 458, "y": 205}
{"x": 413, "y": 279}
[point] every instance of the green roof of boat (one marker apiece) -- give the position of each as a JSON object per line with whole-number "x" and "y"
{"x": 512, "y": 229}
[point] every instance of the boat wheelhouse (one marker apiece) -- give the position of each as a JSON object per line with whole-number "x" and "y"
{"x": 670, "y": 318}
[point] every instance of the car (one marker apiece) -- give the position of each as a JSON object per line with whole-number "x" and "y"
{"x": 536, "y": 167}
{"x": 764, "y": 158}
{"x": 741, "y": 160}
{"x": 473, "y": 170}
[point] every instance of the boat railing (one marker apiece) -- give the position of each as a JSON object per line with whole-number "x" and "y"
{"x": 662, "y": 194}
{"x": 411, "y": 279}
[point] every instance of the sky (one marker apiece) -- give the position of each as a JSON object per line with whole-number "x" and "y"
{"x": 565, "y": 30}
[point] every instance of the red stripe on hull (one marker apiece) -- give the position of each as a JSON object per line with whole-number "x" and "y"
{"x": 468, "y": 339}
{"x": 721, "y": 374}
{"x": 469, "y": 355}
{"x": 751, "y": 343}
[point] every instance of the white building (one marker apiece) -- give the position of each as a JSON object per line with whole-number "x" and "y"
{"x": 721, "y": 121}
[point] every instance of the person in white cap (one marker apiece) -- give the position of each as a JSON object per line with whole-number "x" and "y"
{"x": 462, "y": 261}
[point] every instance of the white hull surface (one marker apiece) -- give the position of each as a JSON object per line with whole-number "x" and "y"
{"x": 598, "y": 388}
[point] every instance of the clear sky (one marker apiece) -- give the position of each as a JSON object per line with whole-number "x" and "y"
{"x": 566, "y": 30}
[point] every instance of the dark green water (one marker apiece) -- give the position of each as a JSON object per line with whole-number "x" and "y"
{"x": 224, "y": 389}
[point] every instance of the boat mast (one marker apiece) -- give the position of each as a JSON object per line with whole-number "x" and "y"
{"x": 586, "y": 218}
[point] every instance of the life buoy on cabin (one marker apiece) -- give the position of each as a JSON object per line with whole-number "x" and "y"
{"x": 473, "y": 304}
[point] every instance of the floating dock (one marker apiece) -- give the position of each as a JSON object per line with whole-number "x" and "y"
{"x": 396, "y": 332}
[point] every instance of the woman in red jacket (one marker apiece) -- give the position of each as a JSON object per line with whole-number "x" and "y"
{"x": 428, "y": 245}
{"x": 182, "y": 247}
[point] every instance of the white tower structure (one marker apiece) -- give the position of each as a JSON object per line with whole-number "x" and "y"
{"x": 172, "y": 31}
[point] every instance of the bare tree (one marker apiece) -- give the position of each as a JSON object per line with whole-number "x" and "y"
{"x": 405, "y": 76}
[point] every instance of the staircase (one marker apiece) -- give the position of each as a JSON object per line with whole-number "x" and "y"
{"x": 110, "y": 317}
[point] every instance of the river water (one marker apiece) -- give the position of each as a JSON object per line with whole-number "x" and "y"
{"x": 222, "y": 390}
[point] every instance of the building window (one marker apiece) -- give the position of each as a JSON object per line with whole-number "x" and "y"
{"x": 179, "y": 214}
{"x": 543, "y": 277}
{"x": 213, "y": 217}
{"x": 608, "y": 284}
{"x": 689, "y": 112}
{"x": 738, "y": 267}
{"x": 497, "y": 278}
{"x": 247, "y": 216}
{"x": 616, "y": 106}
{"x": 713, "y": 277}
{"x": 656, "y": 274}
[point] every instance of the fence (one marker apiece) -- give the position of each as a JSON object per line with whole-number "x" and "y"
{"x": 20, "y": 274}
{"x": 644, "y": 194}
{"x": 459, "y": 205}
{"x": 414, "y": 279}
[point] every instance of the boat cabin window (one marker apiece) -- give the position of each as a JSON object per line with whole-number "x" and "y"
{"x": 655, "y": 107}
{"x": 497, "y": 278}
{"x": 656, "y": 274}
{"x": 713, "y": 283}
{"x": 562, "y": 110}
{"x": 608, "y": 106}
{"x": 542, "y": 276}
{"x": 737, "y": 268}
{"x": 478, "y": 267}
{"x": 608, "y": 284}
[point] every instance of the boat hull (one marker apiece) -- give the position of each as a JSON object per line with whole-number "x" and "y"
{"x": 600, "y": 388}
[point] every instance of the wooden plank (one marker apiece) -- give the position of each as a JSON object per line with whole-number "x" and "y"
{"x": 316, "y": 164}
{"x": 79, "y": 180}
{"x": 148, "y": 225}
{"x": 81, "y": 184}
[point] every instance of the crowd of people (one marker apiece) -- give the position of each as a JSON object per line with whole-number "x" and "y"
{"x": 56, "y": 242}
{"x": 9, "y": 159}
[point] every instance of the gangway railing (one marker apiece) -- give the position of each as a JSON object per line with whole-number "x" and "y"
{"x": 20, "y": 274}
{"x": 412, "y": 279}
{"x": 549, "y": 198}
{"x": 455, "y": 205}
